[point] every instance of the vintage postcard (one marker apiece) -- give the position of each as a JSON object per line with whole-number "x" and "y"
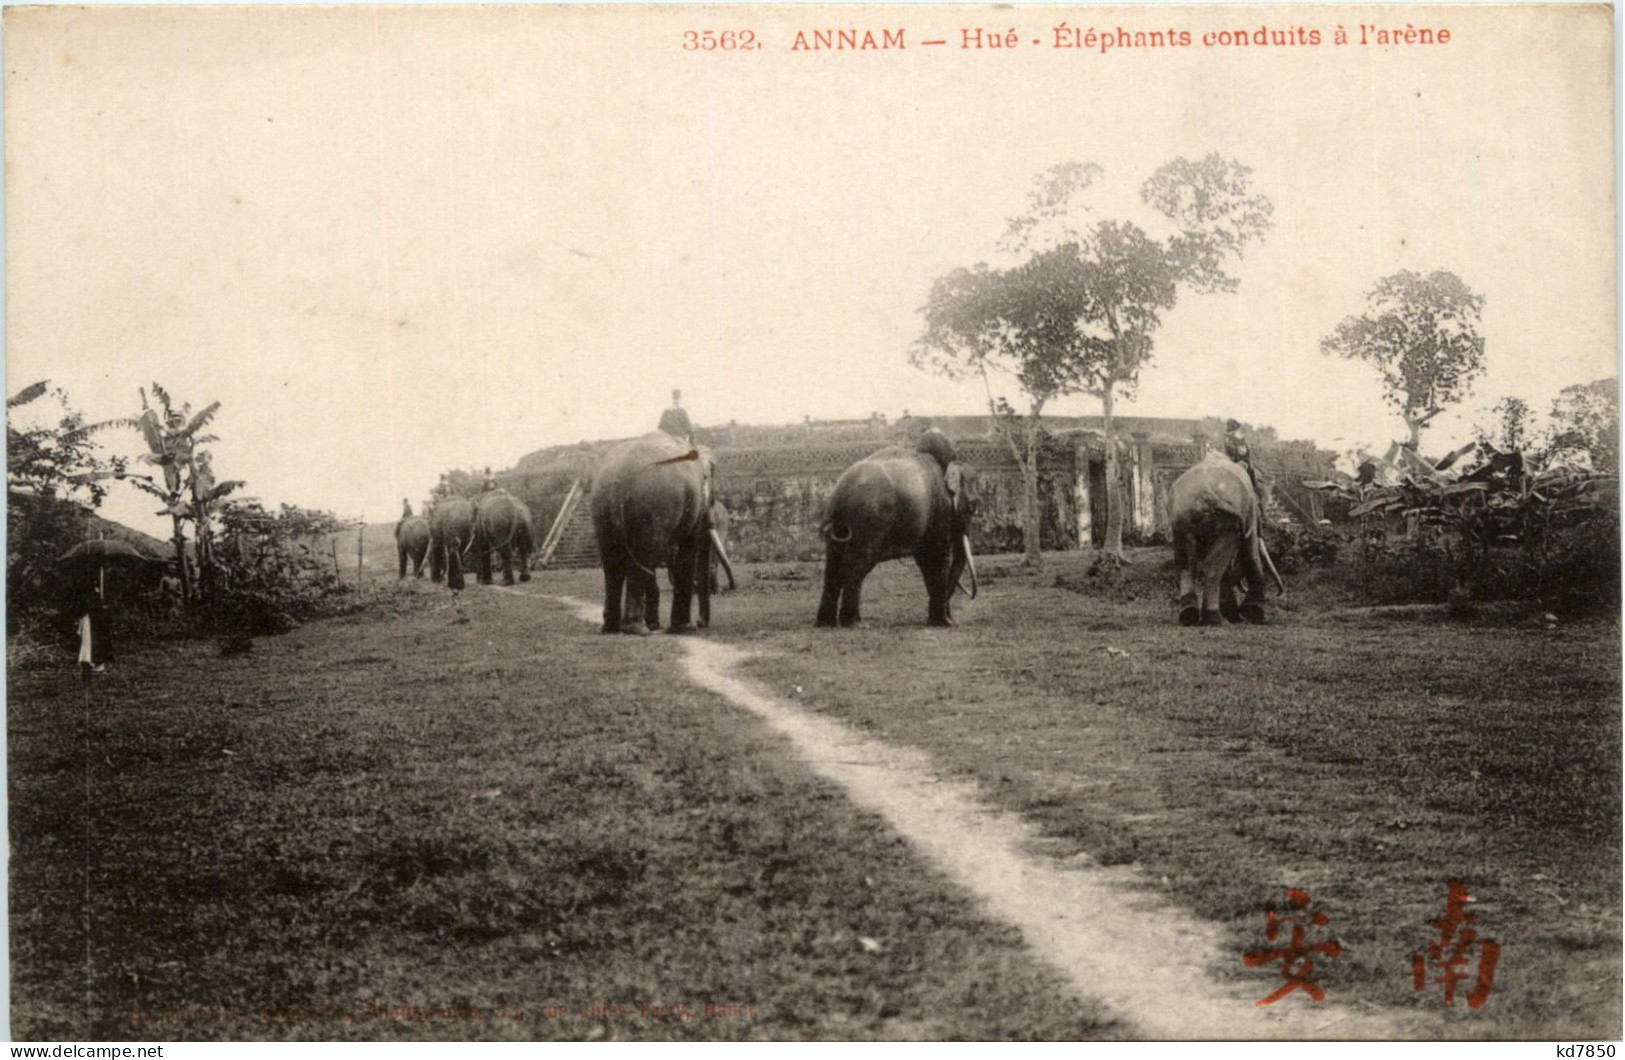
{"x": 812, "y": 522}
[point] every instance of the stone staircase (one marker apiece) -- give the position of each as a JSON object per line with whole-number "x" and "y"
{"x": 570, "y": 542}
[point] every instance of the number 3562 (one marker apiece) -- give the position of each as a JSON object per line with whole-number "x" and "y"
{"x": 728, "y": 40}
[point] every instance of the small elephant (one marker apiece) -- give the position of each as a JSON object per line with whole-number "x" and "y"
{"x": 451, "y": 535}
{"x": 1216, "y": 519}
{"x": 502, "y": 525}
{"x": 892, "y": 504}
{"x": 412, "y": 542}
{"x": 651, "y": 499}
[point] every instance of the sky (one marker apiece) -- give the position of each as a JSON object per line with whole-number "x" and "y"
{"x": 393, "y": 241}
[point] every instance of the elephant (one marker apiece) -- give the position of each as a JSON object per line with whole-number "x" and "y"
{"x": 892, "y": 504}
{"x": 451, "y": 534}
{"x": 651, "y": 499}
{"x": 1217, "y": 520}
{"x": 412, "y": 542}
{"x": 502, "y": 525}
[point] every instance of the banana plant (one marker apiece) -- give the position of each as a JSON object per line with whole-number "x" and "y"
{"x": 1481, "y": 495}
{"x": 188, "y": 488}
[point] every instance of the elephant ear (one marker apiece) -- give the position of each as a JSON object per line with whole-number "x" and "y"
{"x": 955, "y": 477}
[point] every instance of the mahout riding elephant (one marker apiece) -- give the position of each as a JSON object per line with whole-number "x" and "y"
{"x": 411, "y": 542}
{"x": 651, "y": 499}
{"x": 1218, "y": 543}
{"x": 451, "y": 535}
{"x": 892, "y": 504}
{"x": 502, "y": 525}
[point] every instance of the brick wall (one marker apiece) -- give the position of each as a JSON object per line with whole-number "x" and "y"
{"x": 776, "y": 493}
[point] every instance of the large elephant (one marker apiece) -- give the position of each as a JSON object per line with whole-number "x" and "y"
{"x": 1218, "y": 544}
{"x": 451, "y": 535}
{"x": 502, "y": 525}
{"x": 651, "y": 499}
{"x": 412, "y": 542}
{"x": 892, "y": 504}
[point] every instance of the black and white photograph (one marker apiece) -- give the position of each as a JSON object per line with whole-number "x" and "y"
{"x": 790, "y": 522}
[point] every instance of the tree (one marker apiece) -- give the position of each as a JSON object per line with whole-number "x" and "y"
{"x": 1081, "y": 313}
{"x": 55, "y": 474}
{"x": 189, "y": 489}
{"x": 457, "y": 483}
{"x": 1513, "y": 430}
{"x": 1585, "y": 419}
{"x": 1421, "y": 334}
{"x": 987, "y": 322}
{"x": 60, "y": 459}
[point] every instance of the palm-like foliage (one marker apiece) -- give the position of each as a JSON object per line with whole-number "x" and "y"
{"x": 188, "y": 488}
{"x": 57, "y": 459}
{"x": 1478, "y": 495}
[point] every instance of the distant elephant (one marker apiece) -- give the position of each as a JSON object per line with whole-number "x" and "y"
{"x": 502, "y": 525}
{"x": 451, "y": 535}
{"x": 892, "y": 504}
{"x": 1218, "y": 543}
{"x": 412, "y": 542}
{"x": 651, "y": 503}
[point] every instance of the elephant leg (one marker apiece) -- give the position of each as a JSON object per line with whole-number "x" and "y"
{"x": 1221, "y": 552}
{"x": 937, "y": 589}
{"x": 651, "y": 600}
{"x": 831, "y": 598}
{"x": 1185, "y": 552}
{"x": 437, "y": 561}
{"x": 1252, "y": 572}
{"x": 704, "y": 572}
{"x": 401, "y": 552}
{"x": 642, "y": 601}
{"x": 1227, "y": 596}
{"x": 482, "y": 562}
{"x": 454, "y": 567}
{"x": 524, "y": 562}
{"x": 614, "y": 584}
{"x": 682, "y": 590}
{"x": 507, "y": 566}
{"x": 852, "y": 593}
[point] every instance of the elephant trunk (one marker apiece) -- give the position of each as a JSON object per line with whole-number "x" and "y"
{"x": 722, "y": 555}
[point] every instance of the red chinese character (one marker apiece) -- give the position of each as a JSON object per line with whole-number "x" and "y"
{"x": 1296, "y": 962}
{"x": 1450, "y": 952}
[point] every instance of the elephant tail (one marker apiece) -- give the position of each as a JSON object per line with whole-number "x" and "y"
{"x": 631, "y": 554}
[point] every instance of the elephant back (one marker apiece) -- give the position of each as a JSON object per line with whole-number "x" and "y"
{"x": 1216, "y": 484}
{"x": 890, "y": 499}
{"x": 646, "y": 492}
{"x": 501, "y": 515}
{"x": 413, "y": 532}
{"x": 453, "y": 519}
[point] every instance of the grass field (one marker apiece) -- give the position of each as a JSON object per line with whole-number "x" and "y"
{"x": 482, "y": 819}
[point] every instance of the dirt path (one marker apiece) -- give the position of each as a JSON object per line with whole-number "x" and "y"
{"x": 1103, "y": 928}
